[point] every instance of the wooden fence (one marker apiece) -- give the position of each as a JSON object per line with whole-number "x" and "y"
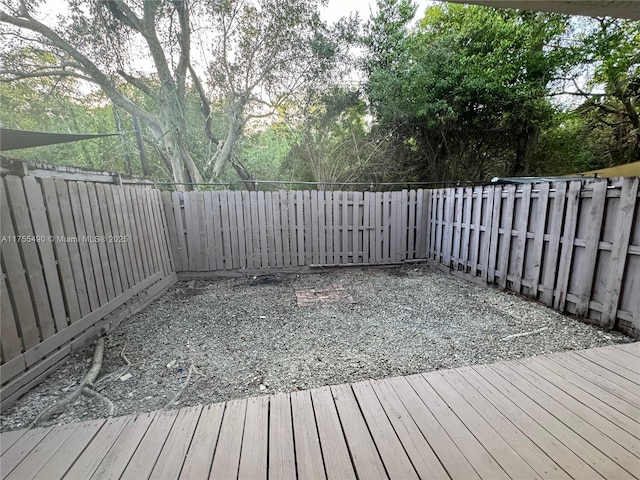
{"x": 573, "y": 246}
{"x": 76, "y": 257}
{"x": 247, "y": 231}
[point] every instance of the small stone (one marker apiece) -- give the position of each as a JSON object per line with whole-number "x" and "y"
{"x": 125, "y": 377}
{"x": 262, "y": 387}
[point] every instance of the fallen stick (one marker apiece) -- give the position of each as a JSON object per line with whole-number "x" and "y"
{"x": 87, "y": 383}
{"x": 524, "y": 334}
{"x": 192, "y": 368}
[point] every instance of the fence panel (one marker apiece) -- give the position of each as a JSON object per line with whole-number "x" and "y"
{"x": 260, "y": 230}
{"x": 72, "y": 253}
{"x": 575, "y": 246}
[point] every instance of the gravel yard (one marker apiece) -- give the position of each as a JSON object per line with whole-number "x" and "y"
{"x": 243, "y": 337}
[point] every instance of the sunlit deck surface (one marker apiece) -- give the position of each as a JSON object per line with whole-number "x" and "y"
{"x": 567, "y": 415}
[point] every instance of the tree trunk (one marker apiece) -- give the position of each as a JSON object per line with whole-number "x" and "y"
{"x": 525, "y": 148}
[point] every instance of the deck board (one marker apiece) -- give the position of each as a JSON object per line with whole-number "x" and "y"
{"x": 559, "y": 416}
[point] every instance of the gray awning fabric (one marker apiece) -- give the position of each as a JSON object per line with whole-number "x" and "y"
{"x": 14, "y": 139}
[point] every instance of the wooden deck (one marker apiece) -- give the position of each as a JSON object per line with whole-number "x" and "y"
{"x": 568, "y": 415}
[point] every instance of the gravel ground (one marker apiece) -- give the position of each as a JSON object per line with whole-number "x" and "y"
{"x": 246, "y": 337}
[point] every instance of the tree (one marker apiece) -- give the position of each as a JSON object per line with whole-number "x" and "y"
{"x": 468, "y": 91}
{"x": 147, "y": 45}
{"x": 611, "y": 107}
{"x": 266, "y": 54}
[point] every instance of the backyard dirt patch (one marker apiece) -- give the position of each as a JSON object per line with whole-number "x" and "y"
{"x": 236, "y": 338}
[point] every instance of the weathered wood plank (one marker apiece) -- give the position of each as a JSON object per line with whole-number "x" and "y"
{"x": 287, "y": 249}
{"x": 466, "y": 228}
{"x": 299, "y": 231}
{"x": 453, "y": 460}
{"x": 117, "y": 458}
{"x": 47, "y": 256}
{"x": 225, "y": 225}
{"x": 526, "y": 448}
{"x": 494, "y": 236}
{"x": 457, "y": 233}
{"x": 227, "y": 455}
{"x": 282, "y": 463}
{"x": 337, "y": 462}
{"x": 102, "y": 240}
{"x": 133, "y": 222}
{"x": 10, "y": 437}
{"x": 553, "y": 247}
{"x": 502, "y": 452}
{"x": 379, "y": 229}
{"x": 508, "y": 406}
{"x": 89, "y": 231}
{"x": 34, "y": 271}
{"x": 396, "y": 461}
{"x": 242, "y": 228}
{"x": 110, "y": 233}
{"x": 89, "y": 459}
{"x": 588, "y": 261}
{"x": 618, "y": 260}
{"x": 473, "y": 450}
{"x": 220, "y": 233}
{"x": 564, "y": 433}
{"x": 17, "y": 279}
{"x": 366, "y": 227}
{"x": 309, "y": 462}
{"x": 199, "y": 457}
{"x": 506, "y": 238}
{"x": 364, "y": 455}
{"x": 586, "y": 436}
{"x": 475, "y": 215}
{"x": 538, "y": 240}
{"x": 598, "y": 405}
{"x": 255, "y": 230}
{"x": 271, "y": 241}
{"x": 277, "y": 229}
{"x": 63, "y": 457}
{"x": 133, "y": 253}
{"x": 253, "y": 459}
{"x": 233, "y": 229}
{"x": 10, "y": 340}
{"x": 262, "y": 221}
{"x": 422, "y": 457}
{"x": 337, "y": 227}
{"x": 62, "y": 252}
{"x": 174, "y": 450}
{"x": 522, "y": 226}
{"x": 579, "y": 407}
{"x": 322, "y": 227}
{"x": 293, "y": 228}
{"x": 568, "y": 238}
{"x": 15, "y": 454}
{"x": 387, "y": 235}
{"x": 402, "y": 207}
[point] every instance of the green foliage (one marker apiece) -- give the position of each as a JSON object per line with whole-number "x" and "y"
{"x": 469, "y": 95}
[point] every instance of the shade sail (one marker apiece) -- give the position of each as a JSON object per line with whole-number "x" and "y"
{"x": 14, "y": 139}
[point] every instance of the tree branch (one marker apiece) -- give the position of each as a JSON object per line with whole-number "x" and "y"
{"x": 138, "y": 83}
{"x": 87, "y": 65}
{"x": 42, "y": 73}
{"x": 204, "y": 107}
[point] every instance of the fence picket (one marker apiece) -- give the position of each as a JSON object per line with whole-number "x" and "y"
{"x": 506, "y": 238}
{"x": 589, "y": 261}
{"x": 621, "y": 238}
{"x": 538, "y": 239}
{"x": 568, "y": 238}
{"x": 45, "y": 247}
{"x": 522, "y": 227}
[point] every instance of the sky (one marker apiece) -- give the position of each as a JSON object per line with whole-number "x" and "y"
{"x": 341, "y": 8}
